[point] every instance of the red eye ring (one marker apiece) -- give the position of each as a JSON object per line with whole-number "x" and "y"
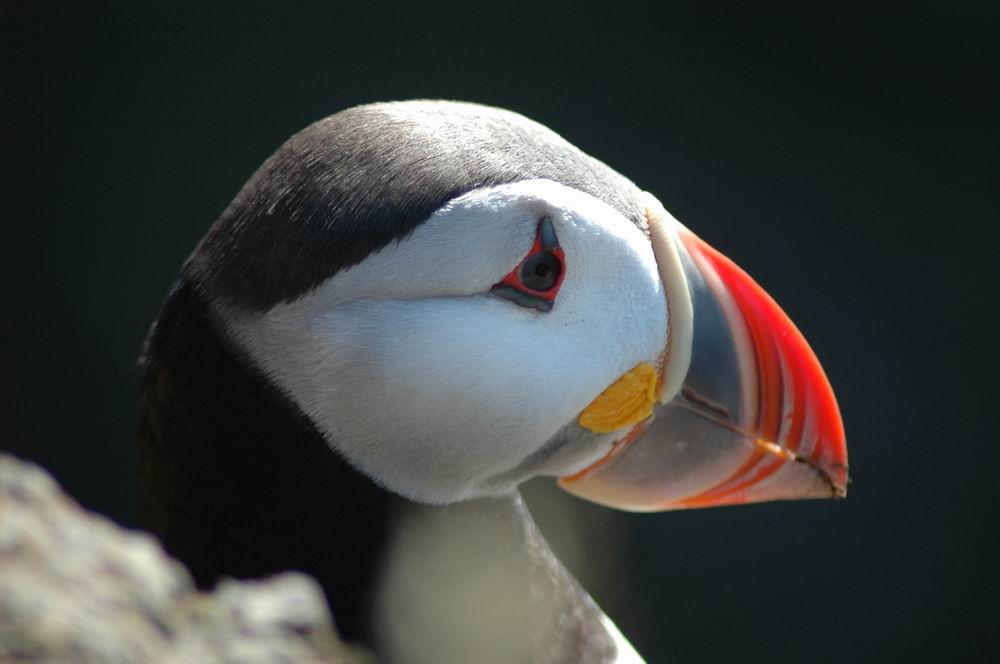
{"x": 536, "y": 280}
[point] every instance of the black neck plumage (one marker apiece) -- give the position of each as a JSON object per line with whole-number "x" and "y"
{"x": 238, "y": 482}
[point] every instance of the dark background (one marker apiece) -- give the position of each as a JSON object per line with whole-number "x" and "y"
{"x": 846, "y": 157}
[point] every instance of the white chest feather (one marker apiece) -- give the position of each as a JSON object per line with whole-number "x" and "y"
{"x": 476, "y": 582}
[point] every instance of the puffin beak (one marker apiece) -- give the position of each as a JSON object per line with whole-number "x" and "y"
{"x": 738, "y": 409}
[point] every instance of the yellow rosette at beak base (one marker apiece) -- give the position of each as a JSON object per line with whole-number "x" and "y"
{"x": 627, "y": 401}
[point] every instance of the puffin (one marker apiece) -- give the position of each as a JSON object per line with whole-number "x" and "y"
{"x": 410, "y": 309}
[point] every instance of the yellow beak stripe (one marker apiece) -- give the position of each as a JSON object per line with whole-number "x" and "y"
{"x": 627, "y": 401}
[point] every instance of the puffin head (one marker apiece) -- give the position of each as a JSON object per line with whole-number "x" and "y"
{"x": 460, "y": 300}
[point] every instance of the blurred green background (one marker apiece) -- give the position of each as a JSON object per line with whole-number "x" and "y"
{"x": 846, "y": 156}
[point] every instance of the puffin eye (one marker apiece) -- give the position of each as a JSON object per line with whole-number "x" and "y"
{"x": 536, "y": 280}
{"x": 541, "y": 271}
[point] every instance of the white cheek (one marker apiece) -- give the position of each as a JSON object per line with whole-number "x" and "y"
{"x": 446, "y": 393}
{"x": 436, "y": 396}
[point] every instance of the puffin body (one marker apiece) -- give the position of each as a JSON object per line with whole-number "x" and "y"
{"x": 410, "y": 309}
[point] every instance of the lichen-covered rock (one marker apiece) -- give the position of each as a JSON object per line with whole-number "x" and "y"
{"x": 76, "y": 588}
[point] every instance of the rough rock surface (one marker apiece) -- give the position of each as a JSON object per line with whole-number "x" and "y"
{"x": 76, "y": 588}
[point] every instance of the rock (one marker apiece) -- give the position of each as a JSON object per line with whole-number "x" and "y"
{"x": 74, "y": 587}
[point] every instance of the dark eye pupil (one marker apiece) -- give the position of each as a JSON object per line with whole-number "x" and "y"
{"x": 541, "y": 271}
